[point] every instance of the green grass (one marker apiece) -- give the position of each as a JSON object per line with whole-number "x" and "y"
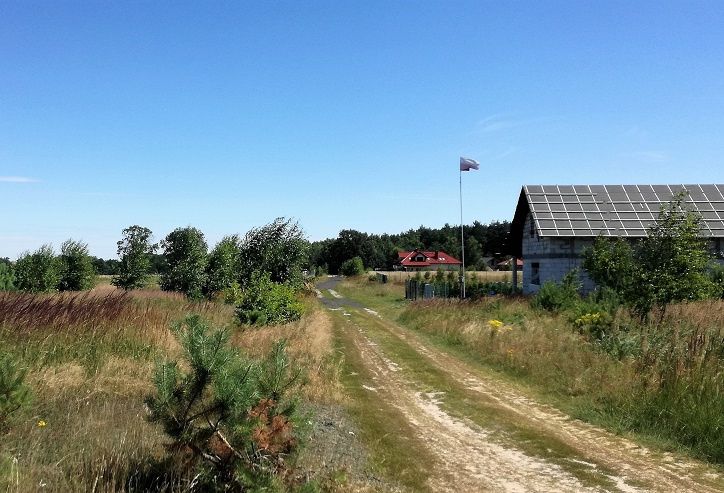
{"x": 395, "y": 450}
{"x": 543, "y": 354}
{"x": 460, "y": 402}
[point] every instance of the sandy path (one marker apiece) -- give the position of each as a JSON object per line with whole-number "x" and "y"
{"x": 466, "y": 459}
{"x": 634, "y": 464}
{"x": 469, "y": 458}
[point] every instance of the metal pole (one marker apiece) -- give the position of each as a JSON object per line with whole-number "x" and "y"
{"x": 462, "y": 241}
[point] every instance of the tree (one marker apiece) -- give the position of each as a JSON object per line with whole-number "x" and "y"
{"x": 134, "y": 251}
{"x": 264, "y": 302}
{"x": 185, "y": 250}
{"x": 222, "y": 269}
{"x": 352, "y": 267}
{"x": 105, "y": 267}
{"x": 666, "y": 266}
{"x": 38, "y": 272}
{"x": 231, "y": 416}
{"x": 472, "y": 253}
{"x": 7, "y": 277}
{"x": 14, "y": 393}
{"x": 278, "y": 248}
{"x": 76, "y": 267}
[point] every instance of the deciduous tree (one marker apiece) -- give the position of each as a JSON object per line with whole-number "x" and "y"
{"x": 134, "y": 251}
{"x": 76, "y": 267}
{"x": 185, "y": 250}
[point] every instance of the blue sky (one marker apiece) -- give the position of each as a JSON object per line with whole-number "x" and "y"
{"x": 340, "y": 114}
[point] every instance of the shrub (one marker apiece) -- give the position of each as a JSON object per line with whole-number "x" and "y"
{"x": 185, "y": 252}
{"x": 231, "y": 416}
{"x": 352, "y": 267}
{"x": 557, "y": 297}
{"x": 716, "y": 276}
{"x": 38, "y": 272}
{"x": 14, "y": 394}
{"x": 7, "y": 277}
{"x": 223, "y": 268}
{"x": 134, "y": 250}
{"x": 266, "y": 302}
{"x": 76, "y": 267}
{"x": 666, "y": 266}
{"x": 278, "y": 248}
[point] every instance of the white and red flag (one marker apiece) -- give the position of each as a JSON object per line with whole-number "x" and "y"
{"x": 466, "y": 164}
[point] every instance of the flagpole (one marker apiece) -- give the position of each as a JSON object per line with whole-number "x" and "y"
{"x": 462, "y": 240}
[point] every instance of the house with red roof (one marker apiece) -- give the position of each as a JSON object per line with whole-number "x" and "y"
{"x": 422, "y": 260}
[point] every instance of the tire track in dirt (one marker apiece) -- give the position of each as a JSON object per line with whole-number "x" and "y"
{"x": 466, "y": 458}
{"x": 633, "y": 464}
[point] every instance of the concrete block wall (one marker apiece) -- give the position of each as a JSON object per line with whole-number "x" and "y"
{"x": 555, "y": 256}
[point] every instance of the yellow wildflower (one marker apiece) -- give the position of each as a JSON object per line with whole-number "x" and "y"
{"x": 42, "y": 424}
{"x": 495, "y": 324}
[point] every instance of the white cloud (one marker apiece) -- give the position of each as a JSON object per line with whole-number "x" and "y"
{"x": 17, "y": 179}
{"x": 648, "y": 156}
{"x": 495, "y": 123}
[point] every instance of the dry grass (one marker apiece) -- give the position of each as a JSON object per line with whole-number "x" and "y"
{"x": 530, "y": 344}
{"x": 309, "y": 341}
{"x": 90, "y": 358}
{"x": 664, "y": 379}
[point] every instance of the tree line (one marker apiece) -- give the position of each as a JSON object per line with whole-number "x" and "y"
{"x": 379, "y": 251}
{"x": 183, "y": 262}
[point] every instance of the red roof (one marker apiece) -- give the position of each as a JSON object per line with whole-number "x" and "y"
{"x": 431, "y": 258}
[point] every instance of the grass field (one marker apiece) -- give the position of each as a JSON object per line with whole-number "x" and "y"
{"x": 90, "y": 358}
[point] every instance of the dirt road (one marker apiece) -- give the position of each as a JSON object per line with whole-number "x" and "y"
{"x": 486, "y": 435}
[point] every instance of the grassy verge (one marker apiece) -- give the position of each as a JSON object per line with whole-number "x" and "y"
{"x": 394, "y": 450}
{"x": 546, "y": 353}
{"x": 460, "y": 402}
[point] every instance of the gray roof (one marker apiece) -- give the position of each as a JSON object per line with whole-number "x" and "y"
{"x": 616, "y": 210}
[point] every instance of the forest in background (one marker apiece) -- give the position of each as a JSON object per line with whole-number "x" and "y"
{"x": 379, "y": 251}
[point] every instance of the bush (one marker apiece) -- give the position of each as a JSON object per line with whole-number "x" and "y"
{"x": 134, "y": 250}
{"x": 266, "y": 302}
{"x": 223, "y": 267}
{"x": 352, "y": 267}
{"x": 7, "y": 277}
{"x": 716, "y": 276}
{"x": 231, "y": 416}
{"x": 667, "y": 266}
{"x": 38, "y": 272}
{"x": 555, "y": 297}
{"x": 76, "y": 267}
{"x": 14, "y": 394}
{"x": 185, "y": 252}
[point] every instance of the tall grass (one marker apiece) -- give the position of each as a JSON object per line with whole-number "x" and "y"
{"x": 662, "y": 379}
{"x": 90, "y": 358}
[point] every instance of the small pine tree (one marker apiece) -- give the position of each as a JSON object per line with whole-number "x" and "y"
{"x": 14, "y": 394}
{"x": 231, "y": 414}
